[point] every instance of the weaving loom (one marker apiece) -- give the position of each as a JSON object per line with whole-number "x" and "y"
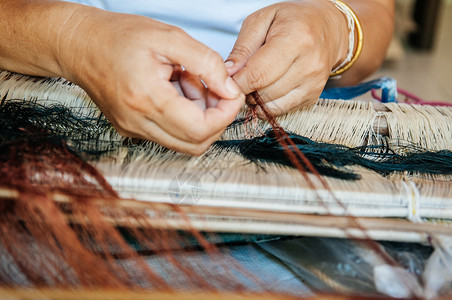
{"x": 225, "y": 179}
{"x": 222, "y": 191}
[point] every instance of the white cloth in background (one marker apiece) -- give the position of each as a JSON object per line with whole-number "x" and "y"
{"x": 216, "y": 23}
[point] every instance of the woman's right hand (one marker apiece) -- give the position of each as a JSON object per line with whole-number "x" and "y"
{"x": 127, "y": 65}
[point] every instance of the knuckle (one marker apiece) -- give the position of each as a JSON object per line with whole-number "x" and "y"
{"x": 175, "y": 31}
{"x": 265, "y": 95}
{"x": 277, "y": 110}
{"x": 255, "y": 17}
{"x": 256, "y": 79}
{"x": 241, "y": 50}
{"x": 199, "y": 136}
{"x": 307, "y": 36}
{"x": 250, "y": 19}
{"x": 212, "y": 60}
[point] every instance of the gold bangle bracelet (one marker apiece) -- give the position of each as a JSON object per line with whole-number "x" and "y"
{"x": 359, "y": 47}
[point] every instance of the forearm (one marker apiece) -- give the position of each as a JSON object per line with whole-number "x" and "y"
{"x": 377, "y": 18}
{"x": 35, "y": 34}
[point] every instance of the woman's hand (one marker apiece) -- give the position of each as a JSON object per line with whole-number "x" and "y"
{"x": 126, "y": 64}
{"x": 286, "y": 52}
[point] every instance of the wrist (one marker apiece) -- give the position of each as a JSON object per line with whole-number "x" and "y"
{"x": 355, "y": 38}
{"x": 29, "y": 45}
{"x": 339, "y": 28}
{"x": 74, "y": 38}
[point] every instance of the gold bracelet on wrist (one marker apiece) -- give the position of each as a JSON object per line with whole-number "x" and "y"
{"x": 359, "y": 46}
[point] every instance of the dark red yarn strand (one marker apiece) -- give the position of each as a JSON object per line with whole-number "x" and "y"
{"x": 296, "y": 157}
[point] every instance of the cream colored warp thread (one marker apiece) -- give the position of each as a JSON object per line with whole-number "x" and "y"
{"x": 424, "y": 126}
{"x": 348, "y": 123}
{"x": 46, "y": 90}
{"x": 338, "y": 122}
{"x": 428, "y": 127}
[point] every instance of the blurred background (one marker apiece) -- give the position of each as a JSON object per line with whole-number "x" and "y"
{"x": 420, "y": 55}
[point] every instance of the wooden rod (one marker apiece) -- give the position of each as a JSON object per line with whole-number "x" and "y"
{"x": 198, "y": 212}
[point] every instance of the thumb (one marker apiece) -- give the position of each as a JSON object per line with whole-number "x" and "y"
{"x": 251, "y": 37}
{"x": 199, "y": 61}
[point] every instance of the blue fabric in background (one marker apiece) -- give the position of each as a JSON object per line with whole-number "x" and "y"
{"x": 387, "y": 85}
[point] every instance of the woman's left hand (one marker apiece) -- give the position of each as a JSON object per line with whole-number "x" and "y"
{"x": 286, "y": 52}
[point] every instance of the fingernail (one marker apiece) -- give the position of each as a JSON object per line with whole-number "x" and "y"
{"x": 229, "y": 64}
{"x": 232, "y": 87}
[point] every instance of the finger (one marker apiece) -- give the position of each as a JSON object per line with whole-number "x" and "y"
{"x": 212, "y": 99}
{"x": 201, "y": 61}
{"x": 192, "y": 86}
{"x": 186, "y": 121}
{"x": 177, "y": 72}
{"x": 288, "y": 82}
{"x": 301, "y": 96}
{"x": 177, "y": 86}
{"x": 267, "y": 65}
{"x": 251, "y": 37}
{"x": 153, "y": 132}
{"x": 299, "y": 73}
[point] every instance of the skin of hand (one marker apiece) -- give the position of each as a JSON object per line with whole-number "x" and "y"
{"x": 131, "y": 67}
{"x": 286, "y": 51}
